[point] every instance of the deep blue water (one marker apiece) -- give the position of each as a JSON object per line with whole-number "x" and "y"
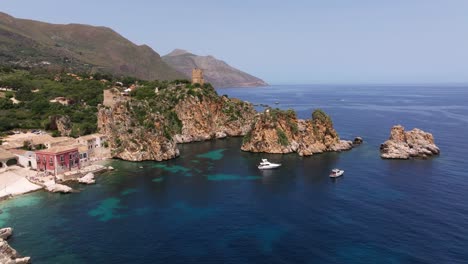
{"x": 212, "y": 205}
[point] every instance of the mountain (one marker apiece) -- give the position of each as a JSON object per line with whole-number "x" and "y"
{"x": 216, "y": 72}
{"x": 78, "y": 47}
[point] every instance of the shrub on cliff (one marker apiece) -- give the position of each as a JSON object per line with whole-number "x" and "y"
{"x": 320, "y": 115}
{"x": 282, "y": 138}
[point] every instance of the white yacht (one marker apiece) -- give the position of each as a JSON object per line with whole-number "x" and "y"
{"x": 265, "y": 164}
{"x": 336, "y": 173}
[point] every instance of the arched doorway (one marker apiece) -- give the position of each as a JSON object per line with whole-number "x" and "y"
{"x": 11, "y": 162}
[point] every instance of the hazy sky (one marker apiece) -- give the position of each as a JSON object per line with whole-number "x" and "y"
{"x": 327, "y": 41}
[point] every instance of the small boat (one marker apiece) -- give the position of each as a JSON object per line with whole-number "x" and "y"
{"x": 336, "y": 173}
{"x": 265, "y": 164}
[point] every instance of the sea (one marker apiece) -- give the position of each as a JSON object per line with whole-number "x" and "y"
{"x": 212, "y": 204}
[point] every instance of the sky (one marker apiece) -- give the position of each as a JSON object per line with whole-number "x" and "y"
{"x": 289, "y": 42}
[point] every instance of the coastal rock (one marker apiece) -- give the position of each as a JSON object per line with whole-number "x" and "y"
{"x": 412, "y": 144}
{"x": 213, "y": 117}
{"x": 5, "y": 233}
{"x": 87, "y": 179}
{"x": 150, "y": 129}
{"x": 358, "y": 141}
{"x": 221, "y": 134}
{"x": 136, "y": 138}
{"x": 60, "y": 188}
{"x": 110, "y": 168}
{"x": 276, "y": 131}
{"x": 9, "y": 255}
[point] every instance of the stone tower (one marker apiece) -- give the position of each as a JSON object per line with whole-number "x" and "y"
{"x": 197, "y": 76}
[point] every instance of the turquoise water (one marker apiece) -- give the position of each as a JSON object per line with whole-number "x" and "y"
{"x": 212, "y": 204}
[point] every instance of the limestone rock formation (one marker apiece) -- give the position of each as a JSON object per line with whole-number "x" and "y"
{"x": 213, "y": 117}
{"x": 136, "y": 138}
{"x": 150, "y": 128}
{"x": 62, "y": 123}
{"x": 411, "y": 144}
{"x": 5, "y": 233}
{"x": 8, "y": 255}
{"x": 276, "y": 131}
{"x": 60, "y": 188}
{"x": 87, "y": 179}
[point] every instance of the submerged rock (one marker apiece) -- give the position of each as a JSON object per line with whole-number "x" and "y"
{"x": 277, "y": 131}
{"x": 358, "y": 141}
{"x": 412, "y": 144}
{"x": 87, "y": 179}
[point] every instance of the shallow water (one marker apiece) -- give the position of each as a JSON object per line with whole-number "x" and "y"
{"x": 212, "y": 205}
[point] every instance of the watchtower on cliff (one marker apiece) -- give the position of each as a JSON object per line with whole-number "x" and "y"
{"x": 197, "y": 76}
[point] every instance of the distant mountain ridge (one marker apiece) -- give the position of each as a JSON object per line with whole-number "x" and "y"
{"x": 78, "y": 47}
{"x": 216, "y": 72}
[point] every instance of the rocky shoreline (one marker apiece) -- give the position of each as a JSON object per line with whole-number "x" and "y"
{"x": 9, "y": 255}
{"x": 151, "y": 128}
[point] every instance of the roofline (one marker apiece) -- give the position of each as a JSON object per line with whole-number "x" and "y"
{"x": 56, "y": 153}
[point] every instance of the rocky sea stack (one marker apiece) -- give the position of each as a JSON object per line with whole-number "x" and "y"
{"x": 148, "y": 124}
{"x": 277, "y": 131}
{"x": 412, "y": 144}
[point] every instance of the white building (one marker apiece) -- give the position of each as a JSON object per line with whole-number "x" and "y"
{"x": 26, "y": 158}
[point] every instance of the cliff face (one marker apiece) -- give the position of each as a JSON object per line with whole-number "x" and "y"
{"x": 134, "y": 141}
{"x": 412, "y": 144}
{"x": 276, "y": 131}
{"x": 216, "y": 72}
{"x": 149, "y": 128}
{"x": 213, "y": 118}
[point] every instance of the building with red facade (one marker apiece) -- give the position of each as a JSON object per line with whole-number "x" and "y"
{"x": 57, "y": 160}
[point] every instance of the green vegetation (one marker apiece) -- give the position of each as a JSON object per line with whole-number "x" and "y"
{"x": 247, "y": 138}
{"x": 320, "y": 115}
{"x": 282, "y": 138}
{"x": 148, "y": 102}
{"x": 152, "y": 104}
{"x": 35, "y": 89}
{"x": 34, "y": 92}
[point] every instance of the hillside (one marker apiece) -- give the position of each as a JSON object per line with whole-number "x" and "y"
{"x": 78, "y": 47}
{"x": 216, "y": 72}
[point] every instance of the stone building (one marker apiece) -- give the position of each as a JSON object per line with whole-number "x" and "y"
{"x": 26, "y": 158}
{"x": 96, "y": 145}
{"x": 197, "y": 76}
